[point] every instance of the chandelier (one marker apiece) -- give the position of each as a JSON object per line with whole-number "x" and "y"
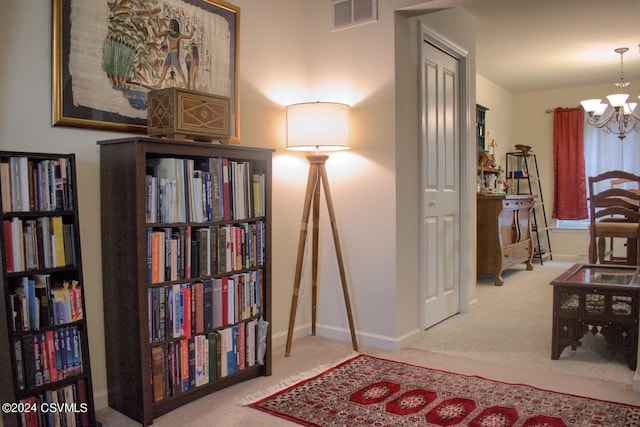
{"x": 617, "y": 118}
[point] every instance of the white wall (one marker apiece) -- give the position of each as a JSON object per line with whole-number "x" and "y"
{"x": 500, "y": 117}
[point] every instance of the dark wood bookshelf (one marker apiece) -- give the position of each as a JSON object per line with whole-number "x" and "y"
{"x": 16, "y": 386}
{"x": 124, "y": 165}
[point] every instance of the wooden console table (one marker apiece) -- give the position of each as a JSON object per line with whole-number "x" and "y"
{"x": 504, "y": 233}
{"x": 598, "y": 299}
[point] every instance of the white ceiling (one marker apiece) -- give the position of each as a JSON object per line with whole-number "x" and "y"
{"x": 536, "y": 45}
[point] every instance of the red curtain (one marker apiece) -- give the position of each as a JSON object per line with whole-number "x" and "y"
{"x": 570, "y": 195}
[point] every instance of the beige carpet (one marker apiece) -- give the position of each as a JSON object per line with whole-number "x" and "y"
{"x": 511, "y": 324}
{"x": 505, "y": 337}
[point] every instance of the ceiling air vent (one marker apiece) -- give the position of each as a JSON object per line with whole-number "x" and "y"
{"x": 347, "y": 13}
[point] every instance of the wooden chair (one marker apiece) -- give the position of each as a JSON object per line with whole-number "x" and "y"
{"x": 617, "y": 183}
{"x": 614, "y": 214}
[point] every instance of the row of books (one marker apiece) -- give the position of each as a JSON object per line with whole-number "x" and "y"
{"x": 47, "y": 357}
{"x": 66, "y": 406}
{"x": 183, "y": 310}
{"x": 40, "y": 243}
{"x": 186, "y": 252}
{"x": 183, "y": 365}
{"x": 211, "y": 189}
{"x": 36, "y": 303}
{"x": 32, "y": 185}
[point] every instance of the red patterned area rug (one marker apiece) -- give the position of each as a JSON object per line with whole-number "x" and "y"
{"x": 370, "y": 391}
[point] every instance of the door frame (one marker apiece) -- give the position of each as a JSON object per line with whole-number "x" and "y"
{"x": 428, "y": 35}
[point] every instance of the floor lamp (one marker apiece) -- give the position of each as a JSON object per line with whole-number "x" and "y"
{"x": 317, "y": 126}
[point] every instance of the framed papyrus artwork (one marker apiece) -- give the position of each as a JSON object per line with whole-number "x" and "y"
{"x": 108, "y": 54}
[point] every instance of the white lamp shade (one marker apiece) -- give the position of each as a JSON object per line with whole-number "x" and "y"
{"x": 618, "y": 99}
{"x": 594, "y": 106}
{"x": 590, "y": 105}
{"x": 629, "y": 107}
{"x": 321, "y": 126}
{"x": 600, "y": 109}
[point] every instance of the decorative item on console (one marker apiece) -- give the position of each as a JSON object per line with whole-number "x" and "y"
{"x": 501, "y": 184}
{"x": 492, "y": 183}
{"x": 490, "y": 179}
{"x": 493, "y": 144}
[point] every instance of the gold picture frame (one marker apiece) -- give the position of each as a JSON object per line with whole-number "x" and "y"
{"x": 107, "y": 55}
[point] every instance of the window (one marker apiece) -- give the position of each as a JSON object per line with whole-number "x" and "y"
{"x": 604, "y": 152}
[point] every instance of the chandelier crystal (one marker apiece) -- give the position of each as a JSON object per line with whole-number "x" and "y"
{"x": 617, "y": 117}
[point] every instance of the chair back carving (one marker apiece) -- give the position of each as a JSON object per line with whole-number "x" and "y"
{"x": 619, "y": 203}
{"x": 614, "y": 213}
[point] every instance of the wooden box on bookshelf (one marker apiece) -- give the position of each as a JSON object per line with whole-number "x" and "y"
{"x": 180, "y": 113}
{"x": 44, "y": 355}
{"x": 186, "y": 247}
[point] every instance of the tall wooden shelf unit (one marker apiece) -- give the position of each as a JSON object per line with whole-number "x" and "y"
{"x": 523, "y": 166}
{"x": 141, "y": 356}
{"x": 44, "y": 355}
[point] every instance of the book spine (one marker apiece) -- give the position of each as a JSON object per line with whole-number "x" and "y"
{"x": 192, "y": 362}
{"x": 157, "y": 373}
{"x": 184, "y": 364}
{"x": 57, "y": 241}
{"x": 212, "y": 339}
{"x": 198, "y": 288}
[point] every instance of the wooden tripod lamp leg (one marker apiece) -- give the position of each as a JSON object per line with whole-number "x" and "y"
{"x": 312, "y": 183}
{"x": 336, "y": 240}
{"x": 317, "y": 179}
{"x": 314, "y": 253}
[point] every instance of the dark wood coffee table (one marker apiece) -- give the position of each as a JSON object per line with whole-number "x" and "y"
{"x": 600, "y": 299}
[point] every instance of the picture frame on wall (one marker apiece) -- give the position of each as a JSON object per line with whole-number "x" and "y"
{"x": 108, "y": 54}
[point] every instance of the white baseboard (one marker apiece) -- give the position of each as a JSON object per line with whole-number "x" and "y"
{"x": 636, "y": 381}
{"x": 100, "y": 399}
{"x": 581, "y": 259}
{"x": 341, "y": 334}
